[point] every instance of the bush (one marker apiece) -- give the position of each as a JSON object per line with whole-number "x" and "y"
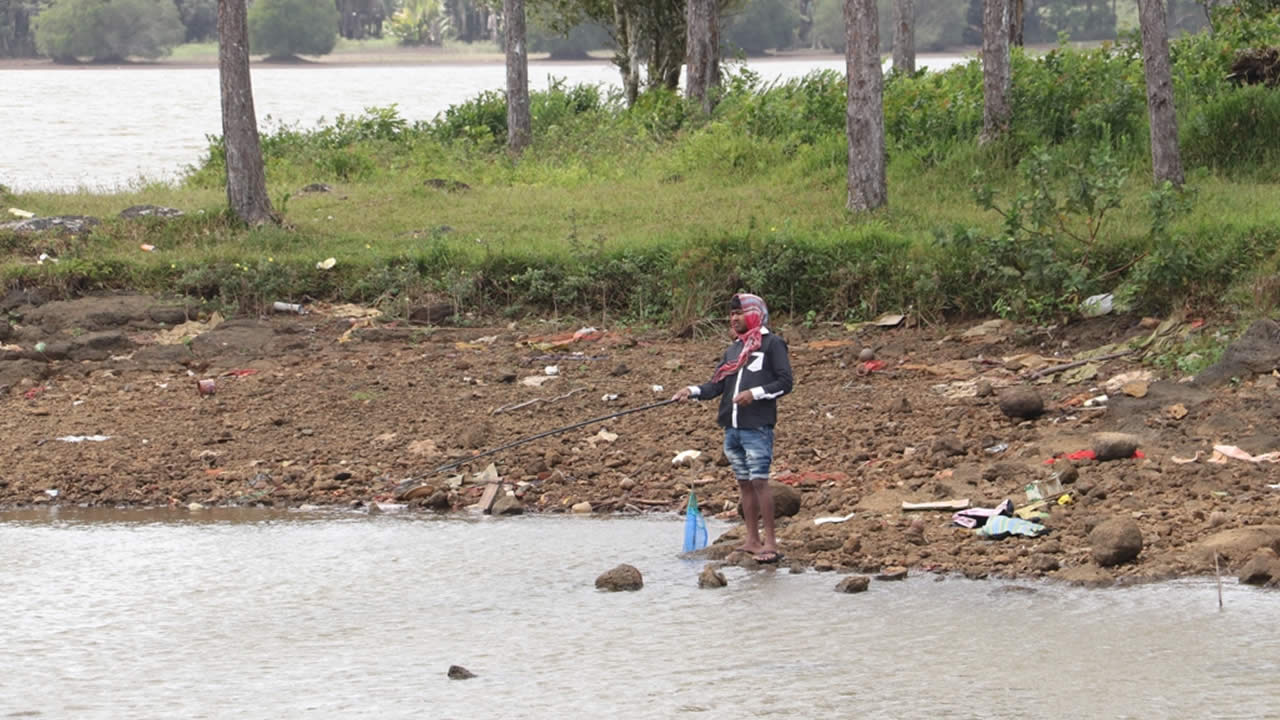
{"x": 282, "y": 28}
{"x": 110, "y": 31}
{"x": 761, "y": 25}
{"x": 1237, "y": 131}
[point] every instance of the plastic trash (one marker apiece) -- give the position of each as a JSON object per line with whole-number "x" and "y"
{"x": 206, "y": 386}
{"x": 327, "y": 263}
{"x": 609, "y": 397}
{"x": 686, "y": 455}
{"x": 84, "y": 438}
{"x": 1097, "y": 305}
{"x": 19, "y": 213}
{"x": 996, "y": 449}
{"x": 657, "y": 388}
{"x": 551, "y": 370}
{"x": 695, "y": 526}
{"x": 285, "y": 307}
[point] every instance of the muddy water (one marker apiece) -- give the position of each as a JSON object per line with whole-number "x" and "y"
{"x": 249, "y": 614}
{"x": 102, "y": 128}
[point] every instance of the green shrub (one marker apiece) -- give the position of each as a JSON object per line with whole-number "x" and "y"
{"x": 108, "y": 30}
{"x": 283, "y": 28}
{"x": 1237, "y": 132}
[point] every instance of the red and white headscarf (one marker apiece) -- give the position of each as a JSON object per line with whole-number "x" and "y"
{"x": 756, "y": 315}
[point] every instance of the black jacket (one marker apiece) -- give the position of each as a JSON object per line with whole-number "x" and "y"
{"x": 767, "y": 374}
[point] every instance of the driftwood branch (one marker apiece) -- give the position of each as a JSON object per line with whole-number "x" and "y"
{"x": 535, "y": 401}
{"x": 1077, "y": 363}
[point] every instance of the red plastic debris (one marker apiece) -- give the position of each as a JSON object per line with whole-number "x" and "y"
{"x": 1084, "y": 455}
{"x": 33, "y": 392}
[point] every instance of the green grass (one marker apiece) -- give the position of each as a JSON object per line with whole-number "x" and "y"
{"x": 655, "y": 213}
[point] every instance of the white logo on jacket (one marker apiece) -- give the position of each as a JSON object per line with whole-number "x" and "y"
{"x": 757, "y": 362}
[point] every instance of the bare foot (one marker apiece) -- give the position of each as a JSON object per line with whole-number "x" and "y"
{"x": 749, "y": 548}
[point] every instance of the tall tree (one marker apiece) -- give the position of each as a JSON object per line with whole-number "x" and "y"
{"x": 995, "y": 68}
{"x": 1166, "y": 162}
{"x": 1016, "y": 15}
{"x": 904, "y": 36}
{"x": 519, "y": 122}
{"x": 702, "y": 47}
{"x": 246, "y": 177}
{"x": 865, "y": 110}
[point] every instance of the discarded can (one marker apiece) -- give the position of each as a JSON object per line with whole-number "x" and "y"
{"x": 206, "y": 386}
{"x": 295, "y": 308}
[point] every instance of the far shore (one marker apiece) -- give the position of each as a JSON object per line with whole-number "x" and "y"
{"x": 390, "y": 57}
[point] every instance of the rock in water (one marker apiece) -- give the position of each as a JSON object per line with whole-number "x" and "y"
{"x": 457, "y": 672}
{"x": 1021, "y": 403}
{"x": 1115, "y": 541}
{"x": 1114, "y": 446}
{"x": 711, "y": 578}
{"x": 623, "y": 577}
{"x": 854, "y": 584}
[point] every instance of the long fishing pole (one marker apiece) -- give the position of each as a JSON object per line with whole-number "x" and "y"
{"x": 548, "y": 433}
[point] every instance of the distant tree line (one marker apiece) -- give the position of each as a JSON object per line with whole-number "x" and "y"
{"x": 642, "y": 32}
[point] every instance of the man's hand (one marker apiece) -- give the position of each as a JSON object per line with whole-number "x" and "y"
{"x": 744, "y": 398}
{"x": 682, "y": 394}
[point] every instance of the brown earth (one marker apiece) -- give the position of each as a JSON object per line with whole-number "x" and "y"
{"x": 321, "y": 409}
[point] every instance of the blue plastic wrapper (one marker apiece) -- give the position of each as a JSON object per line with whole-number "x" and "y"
{"x": 695, "y": 527}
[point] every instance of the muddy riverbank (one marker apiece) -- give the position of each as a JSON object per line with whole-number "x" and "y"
{"x": 100, "y": 405}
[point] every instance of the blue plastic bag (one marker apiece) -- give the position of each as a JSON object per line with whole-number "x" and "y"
{"x": 695, "y": 527}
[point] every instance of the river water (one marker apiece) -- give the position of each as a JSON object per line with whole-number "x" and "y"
{"x": 268, "y": 614}
{"x": 100, "y": 128}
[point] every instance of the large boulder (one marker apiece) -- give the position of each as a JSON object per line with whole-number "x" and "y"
{"x": 1115, "y": 541}
{"x": 506, "y": 504}
{"x": 1021, "y": 402}
{"x": 1114, "y": 445}
{"x": 1236, "y": 545}
{"x": 623, "y": 577}
{"x": 786, "y": 500}
{"x": 1255, "y": 352}
{"x": 1262, "y": 568}
{"x": 68, "y": 224}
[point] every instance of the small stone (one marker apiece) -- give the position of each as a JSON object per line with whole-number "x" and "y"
{"x": 853, "y": 584}
{"x": 896, "y": 572}
{"x": 983, "y": 388}
{"x": 620, "y": 370}
{"x": 711, "y": 578}
{"x": 626, "y": 483}
{"x": 1022, "y": 403}
{"x": 622, "y": 578}
{"x": 457, "y": 672}
{"x": 582, "y": 508}
{"x": 866, "y": 355}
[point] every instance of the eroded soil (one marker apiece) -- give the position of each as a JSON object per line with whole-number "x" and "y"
{"x": 329, "y": 410}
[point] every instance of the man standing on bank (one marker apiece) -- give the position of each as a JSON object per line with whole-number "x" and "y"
{"x": 755, "y": 372}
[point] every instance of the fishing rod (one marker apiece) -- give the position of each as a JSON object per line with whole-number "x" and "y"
{"x": 548, "y": 433}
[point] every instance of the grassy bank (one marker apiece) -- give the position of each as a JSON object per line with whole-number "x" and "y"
{"x": 653, "y": 213}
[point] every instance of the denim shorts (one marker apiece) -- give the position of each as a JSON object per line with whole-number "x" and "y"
{"x": 750, "y": 451}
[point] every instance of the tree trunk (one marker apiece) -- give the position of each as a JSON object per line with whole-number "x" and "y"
{"x": 702, "y": 45}
{"x": 904, "y": 36}
{"x": 1016, "y": 17}
{"x": 628, "y": 56}
{"x": 865, "y": 110}
{"x": 246, "y": 178}
{"x": 1166, "y": 163}
{"x": 519, "y": 122}
{"x": 995, "y": 68}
